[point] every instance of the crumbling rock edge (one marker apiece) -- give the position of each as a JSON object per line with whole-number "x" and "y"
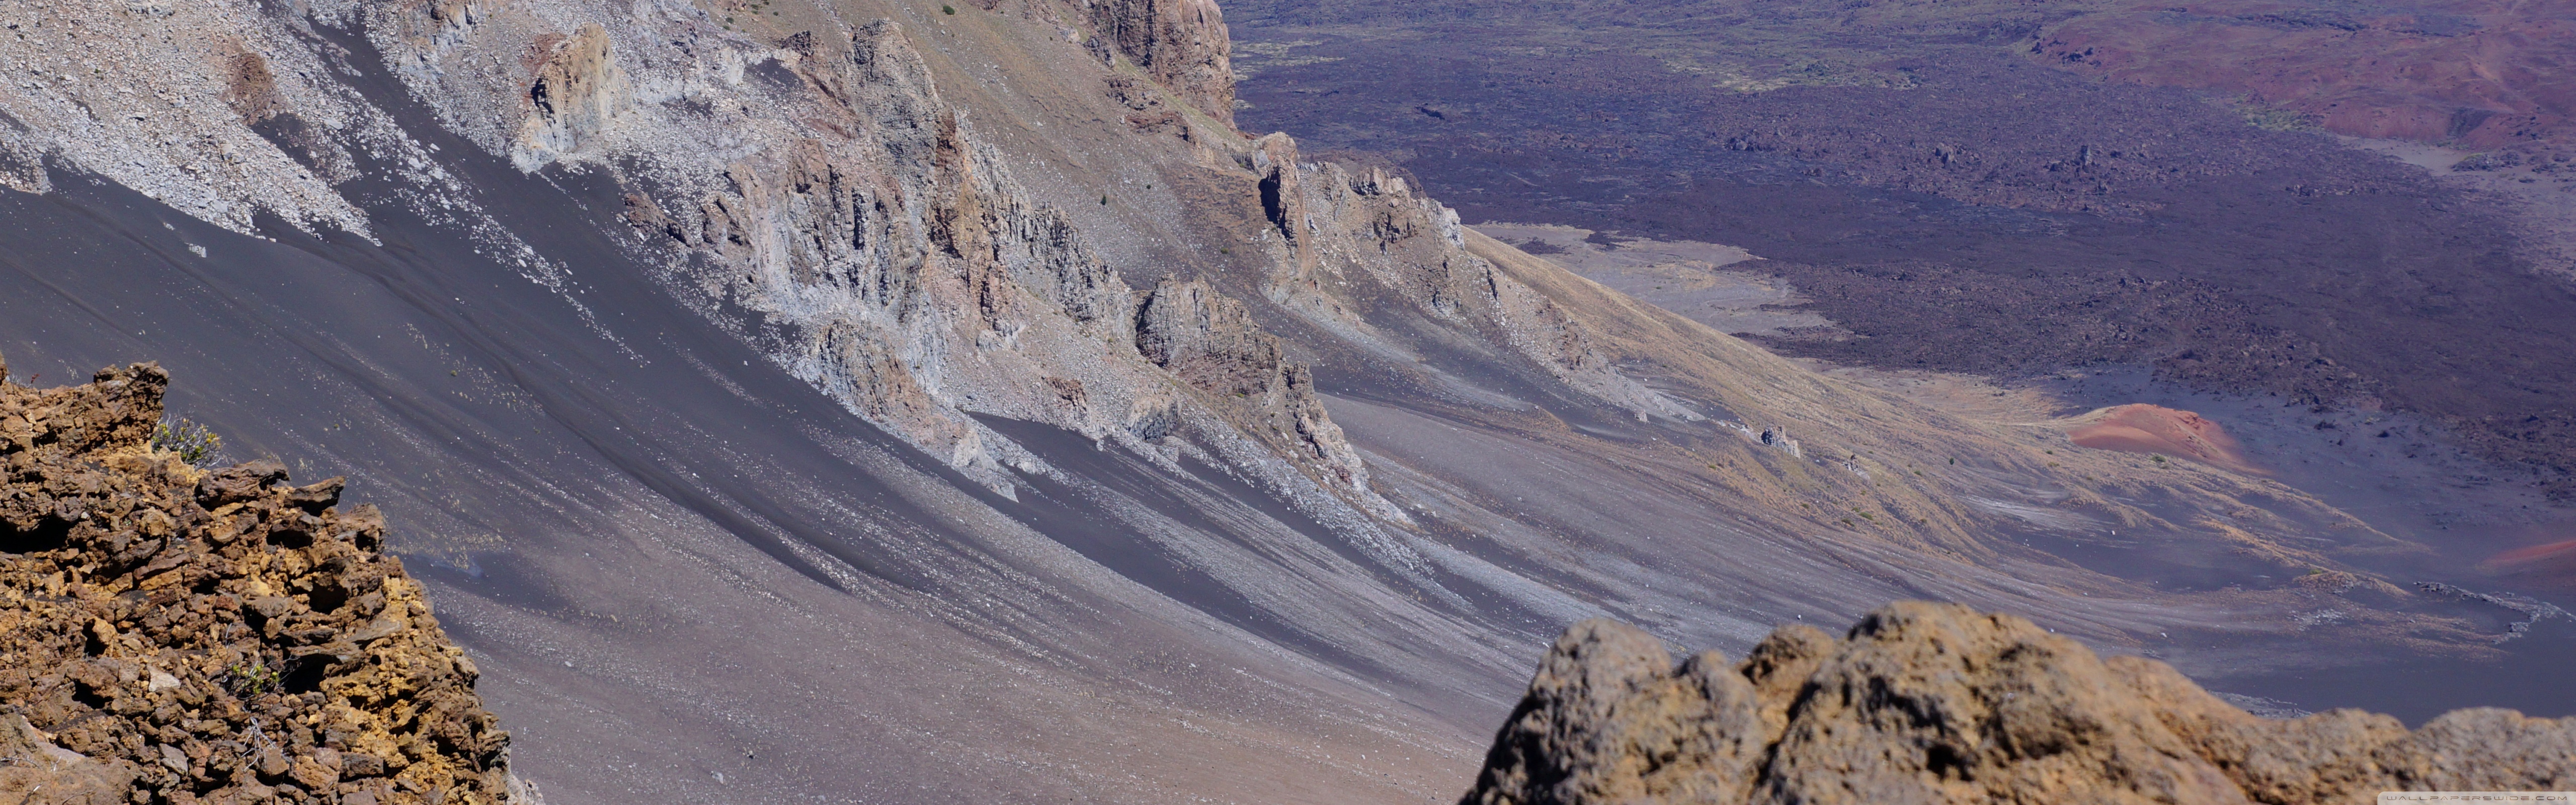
{"x": 1924, "y": 702}
{"x": 178, "y": 635}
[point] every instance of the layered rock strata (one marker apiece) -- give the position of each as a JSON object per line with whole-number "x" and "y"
{"x": 175, "y": 635}
{"x": 1923, "y": 703}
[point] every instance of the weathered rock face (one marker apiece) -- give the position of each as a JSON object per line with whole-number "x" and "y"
{"x": 1334, "y": 223}
{"x": 177, "y": 635}
{"x": 1211, "y": 343}
{"x": 577, "y": 89}
{"x": 38, "y": 768}
{"x": 913, "y": 276}
{"x": 1181, "y": 43}
{"x": 1936, "y": 703}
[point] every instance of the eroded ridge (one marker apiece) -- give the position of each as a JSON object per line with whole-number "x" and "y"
{"x": 1924, "y": 702}
{"x": 175, "y": 635}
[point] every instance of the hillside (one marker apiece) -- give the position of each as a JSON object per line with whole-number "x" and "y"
{"x": 946, "y": 402}
{"x": 2483, "y": 76}
{"x": 2016, "y": 190}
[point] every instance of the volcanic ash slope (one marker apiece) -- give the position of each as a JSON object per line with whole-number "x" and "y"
{"x": 740, "y": 340}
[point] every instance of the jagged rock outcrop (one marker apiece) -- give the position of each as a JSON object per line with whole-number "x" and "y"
{"x": 577, "y": 89}
{"x": 817, "y": 180}
{"x": 1180, "y": 43}
{"x": 1925, "y": 703}
{"x": 1334, "y": 222}
{"x": 170, "y": 634}
{"x": 1211, "y": 343}
{"x": 910, "y": 262}
{"x": 923, "y": 283}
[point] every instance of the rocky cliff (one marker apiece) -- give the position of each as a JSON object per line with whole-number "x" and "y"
{"x": 829, "y": 185}
{"x": 1180, "y": 43}
{"x": 1333, "y": 225}
{"x": 1923, "y": 703}
{"x": 170, "y": 634}
{"x": 745, "y": 339}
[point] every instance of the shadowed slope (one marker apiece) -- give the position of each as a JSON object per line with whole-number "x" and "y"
{"x": 862, "y": 398}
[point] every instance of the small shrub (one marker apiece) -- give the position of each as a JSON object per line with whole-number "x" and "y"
{"x": 2490, "y": 161}
{"x": 948, "y": 10}
{"x": 194, "y": 443}
{"x": 249, "y": 681}
{"x": 2269, "y": 119}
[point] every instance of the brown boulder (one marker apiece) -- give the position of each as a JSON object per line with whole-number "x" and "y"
{"x": 1936, "y": 703}
{"x": 1606, "y": 712}
{"x": 33, "y": 769}
{"x": 239, "y": 482}
{"x": 172, "y": 634}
